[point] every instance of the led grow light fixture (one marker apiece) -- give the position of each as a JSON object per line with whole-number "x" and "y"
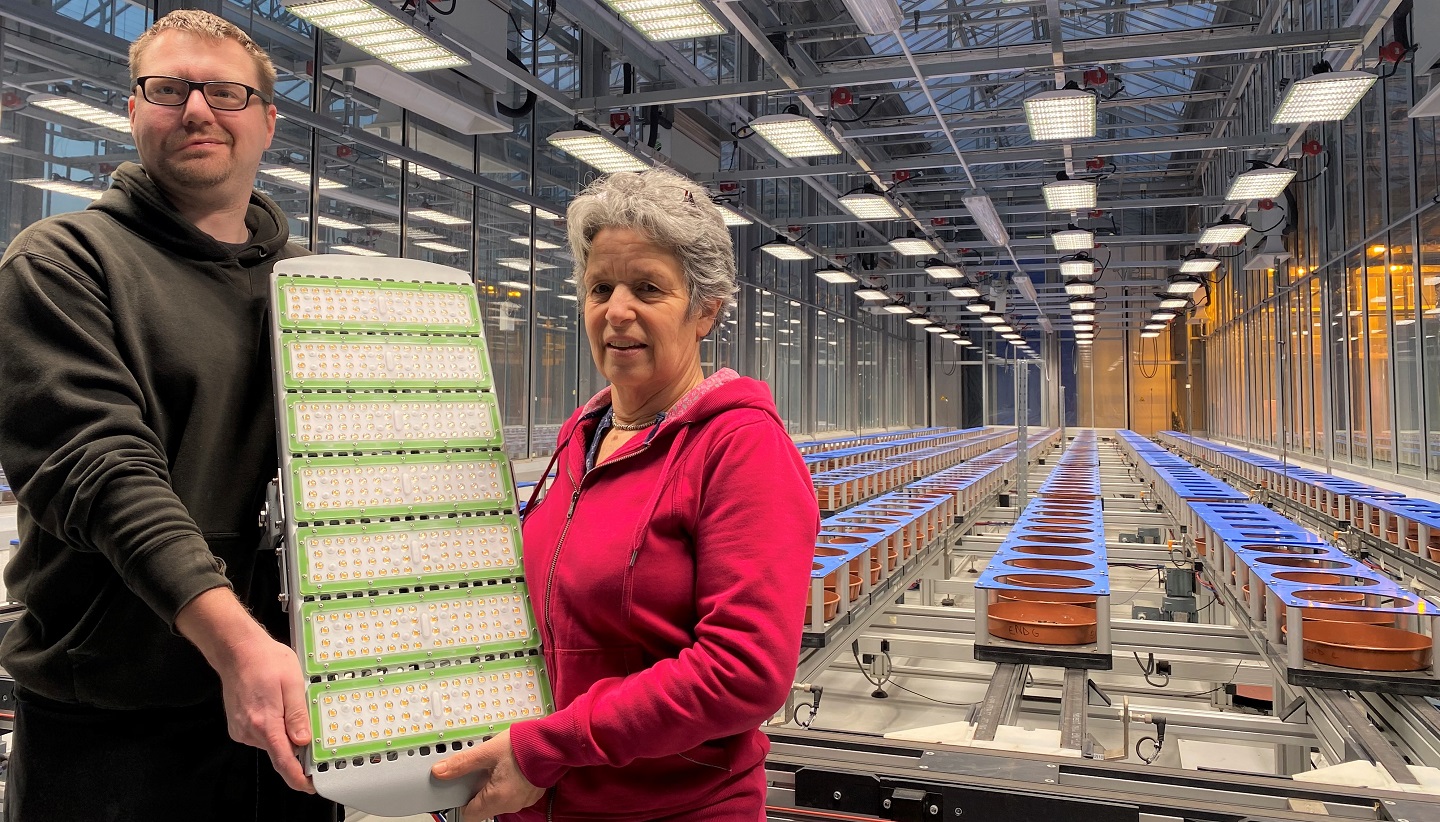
{"x": 662, "y": 20}
{"x": 1325, "y": 96}
{"x": 1079, "y": 265}
{"x": 381, "y": 31}
{"x": 912, "y": 246}
{"x": 1198, "y": 262}
{"x": 1069, "y": 195}
{"x": 1263, "y": 181}
{"x": 395, "y": 513}
{"x": 869, "y": 204}
{"x": 596, "y": 150}
{"x": 835, "y": 275}
{"x": 1063, "y": 114}
{"x": 1228, "y": 230}
{"x": 1073, "y": 239}
{"x": 943, "y": 271}
{"x": 794, "y": 135}
{"x": 1079, "y": 288}
{"x": 965, "y": 291}
{"x": 782, "y": 249}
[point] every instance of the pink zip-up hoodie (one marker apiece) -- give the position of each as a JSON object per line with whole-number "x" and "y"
{"x": 669, "y": 584}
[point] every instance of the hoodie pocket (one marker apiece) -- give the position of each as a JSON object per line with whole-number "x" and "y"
{"x": 576, "y": 670}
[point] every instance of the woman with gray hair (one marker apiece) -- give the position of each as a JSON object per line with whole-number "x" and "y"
{"x": 671, "y": 555}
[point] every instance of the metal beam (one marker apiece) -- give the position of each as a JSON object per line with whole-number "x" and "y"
{"x": 967, "y": 62}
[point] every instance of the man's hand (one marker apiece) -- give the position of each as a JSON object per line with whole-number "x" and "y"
{"x": 504, "y": 790}
{"x": 263, "y": 686}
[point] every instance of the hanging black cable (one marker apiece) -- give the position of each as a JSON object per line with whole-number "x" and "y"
{"x": 524, "y": 108}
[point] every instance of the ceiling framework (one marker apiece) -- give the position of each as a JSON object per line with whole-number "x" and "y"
{"x": 1171, "y": 78}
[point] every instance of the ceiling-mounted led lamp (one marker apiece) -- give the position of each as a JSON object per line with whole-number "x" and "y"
{"x": 1079, "y": 288}
{"x": 782, "y": 249}
{"x": 1164, "y": 315}
{"x": 949, "y": 335}
{"x": 1228, "y": 230}
{"x": 1084, "y": 326}
{"x": 794, "y": 135}
{"x": 912, "y": 246}
{"x": 1149, "y": 334}
{"x": 1077, "y": 265}
{"x": 380, "y": 30}
{"x": 662, "y": 20}
{"x": 81, "y": 110}
{"x": 992, "y": 319}
{"x": 1081, "y": 304}
{"x": 897, "y": 308}
{"x": 965, "y": 291}
{"x": 963, "y": 341}
{"x": 935, "y": 328}
{"x": 1082, "y": 316}
{"x": 941, "y": 270}
{"x": 1086, "y": 341}
{"x": 732, "y": 218}
{"x": 1084, "y": 335}
{"x": 872, "y": 294}
{"x": 833, "y": 274}
{"x": 869, "y": 204}
{"x": 81, "y": 190}
{"x": 980, "y": 306}
{"x": 1153, "y": 326}
{"x": 1198, "y": 262}
{"x": 1172, "y": 302}
{"x": 1184, "y": 284}
{"x": 1066, "y": 194}
{"x": 1073, "y": 239}
{"x": 982, "y": 211}
{"x": 1262, "y": 182}
{"x": 1003, "y": 328}
{"x": 1323, "y": 97}
{"x": 1063, "y": 114}
{"x": 598, "y": 150}
{"x": 918, "y": 319}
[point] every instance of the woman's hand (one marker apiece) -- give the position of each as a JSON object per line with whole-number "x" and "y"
{"x": 505, "y": 790}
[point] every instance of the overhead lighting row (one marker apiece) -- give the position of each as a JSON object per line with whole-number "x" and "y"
{"x": 379, "y": 31}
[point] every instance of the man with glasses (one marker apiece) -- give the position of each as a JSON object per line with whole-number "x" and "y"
{"x": 137, "y": 428}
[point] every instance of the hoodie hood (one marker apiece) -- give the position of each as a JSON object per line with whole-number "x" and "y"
{"x": 722, "y": 391}
{"x": 137, "y": 203}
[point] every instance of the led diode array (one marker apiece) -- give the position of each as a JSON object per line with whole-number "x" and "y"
{"x": 395, "y": 508}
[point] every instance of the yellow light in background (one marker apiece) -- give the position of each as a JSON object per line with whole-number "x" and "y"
{"x": 1377, "y": 249}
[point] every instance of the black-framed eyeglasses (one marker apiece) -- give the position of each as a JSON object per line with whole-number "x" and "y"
{"x": 221, "y": 95}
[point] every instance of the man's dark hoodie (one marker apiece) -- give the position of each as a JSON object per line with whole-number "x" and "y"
{"x": 137, "y": 431}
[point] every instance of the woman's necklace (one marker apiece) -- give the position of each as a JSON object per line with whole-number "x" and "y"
{"x": 639, "y": 426}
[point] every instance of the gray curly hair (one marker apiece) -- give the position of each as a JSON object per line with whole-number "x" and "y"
{"x": 676, "y": 214}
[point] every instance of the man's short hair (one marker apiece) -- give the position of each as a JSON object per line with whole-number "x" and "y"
{"x": 207, "y": 25}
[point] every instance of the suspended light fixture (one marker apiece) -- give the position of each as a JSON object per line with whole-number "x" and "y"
{"x": 662, "y": 20}
{"x": 1164, "y": 315}
{"x": 935, "y": 328}
{"x": 1066, "y": 194}
{"x": 872, "y": 294}
{"x": 869, "y": 204}
{"x": 1198, "y": 262}
{"x": 794, "y": 135}
{"x": 982, "y": 211}
{"x": 1149, "y": 334}
{"x": 782, "y": 249}
{"x": 81, "y": 110}
{"x": 381, "y": 31}
{"x": 918, "y": 319}
{"x": 949, "y": 335}
{"x": 1184, "y": 284}
{"x": 597, "y": 150}
{"x": 943, "y": 271}
{"x": 1084, "y": 326}
{"x": 1084, "y": 335}
{"x": 1063, "y": 114}
{"x": 1172, "y": 302}
{"x": 965, "y": 291}
{"x": 992, "y": 319}
{"x": 1228, "y": 230}
{"x": 1153, "y": 326}
{"x": 1082, "y": 317}
{"x": 1002, "y": 328}
{"x": 832, "y": 274}
{"x": 1073, "y": 239}
{"x": 1080, "y": 288}
{"x": 81, "y": 190}
{"x": 980, "y": 306}
{"x": 963, "y": 341}
{"x": 897, "y": 308}
{"x": 1081, "y": 304}
{"x": 1087, "y": 341}
{"x": 1325, "y": 96}
{"x": 1077, "y": 265}
{"x": 912, "y": 246}
{"x": 732, "y": 218}
{"x": 1262, "y": 182}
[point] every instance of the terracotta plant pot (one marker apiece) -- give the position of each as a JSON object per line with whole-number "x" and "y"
{"x": 1047, "y": 597}
{"x": 1042, "y": 624}
{"x": 1364, "y": 647}
{"x": 1047, "y": 581}
{"x": 1053, "y": 551}
{"x": 875, "y": 570}
{"x": 832, "y": 604}
{"x": 1055, "y": 539}
{"x": 1050, "y": 564}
